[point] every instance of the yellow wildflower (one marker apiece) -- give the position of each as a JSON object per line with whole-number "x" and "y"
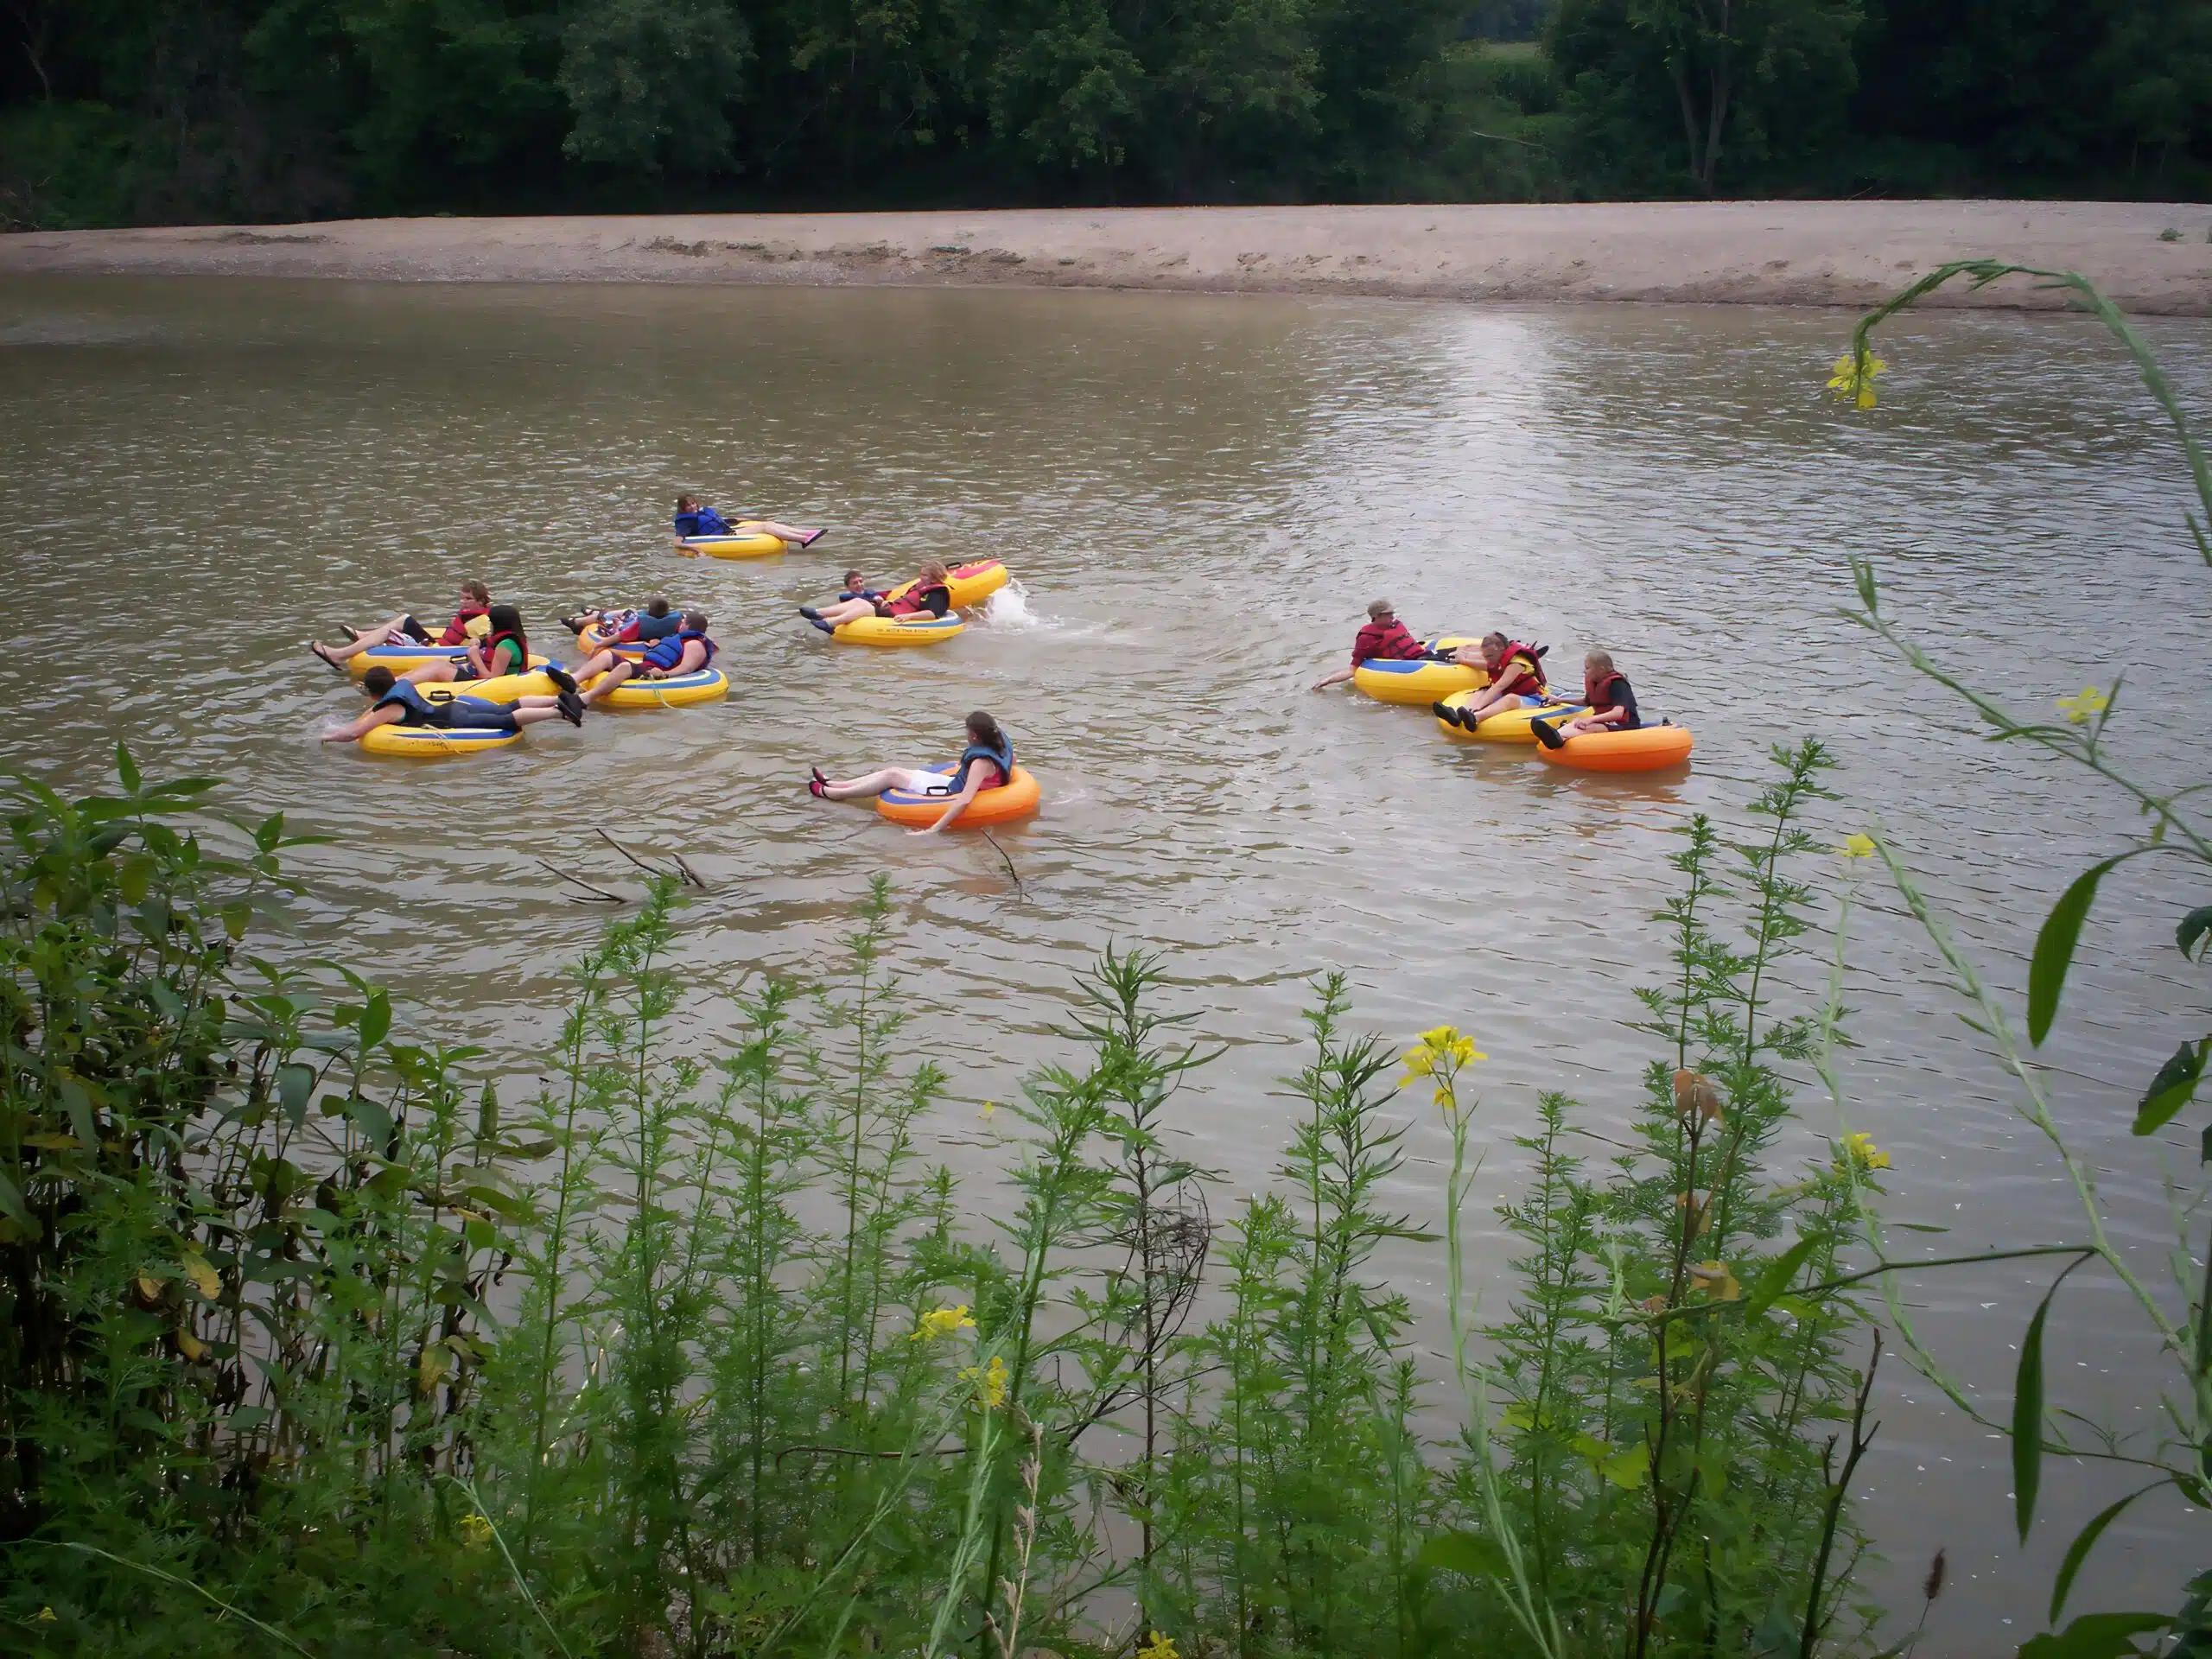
{"x": 47, "y": 1616}
{"x": 1160, "y": 1646}
{"x": 943, "y": 1322}
{"x": 989, "y": 1380}
{"x": 2085, "y": 704}
{"x": 989, "y": 1106}
{"x": 475, "y": 1531}
{"x": 1860, "y": 1150}
{"x": 1860, "y": 846}
{"x": 1443, "y": 1050}
{"x": 1854, "y": 378}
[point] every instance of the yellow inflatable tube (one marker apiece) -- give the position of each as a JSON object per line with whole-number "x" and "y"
{"x": 971, "y": 584}
{"x": 507, "y": 688}
{"x": 401, "y": 655}
{"x": 921, "y": 629}
{"x": 429, "y": 743}
{"x": 745, "y": 543}
{"x": 1509, "y": 724}
{"x": 677, "y": 692}
{"x": 1418, "y": 682}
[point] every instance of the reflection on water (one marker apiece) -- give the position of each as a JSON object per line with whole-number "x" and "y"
{"x": 1198, "y": 497}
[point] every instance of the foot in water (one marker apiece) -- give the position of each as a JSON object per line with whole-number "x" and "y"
{"x": 1546, "y": 736}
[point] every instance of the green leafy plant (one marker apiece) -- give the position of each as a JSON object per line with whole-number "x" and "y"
{"x": 2176, "y": 1456}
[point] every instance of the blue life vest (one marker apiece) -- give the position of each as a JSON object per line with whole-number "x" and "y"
{"x": 1002, "y": 759}
{"x": 669, "y": 652}
{"x": 705, "y": 521}
{"x": 651, "y": 628}
{"x": 415, "y": 708}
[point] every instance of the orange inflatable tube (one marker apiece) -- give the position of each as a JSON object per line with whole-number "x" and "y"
{"x": 1014, "y": 798}
{"x": 1647, "y": 748}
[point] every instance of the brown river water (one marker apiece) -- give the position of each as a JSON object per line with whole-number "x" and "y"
{"x": 1198, "y": 496}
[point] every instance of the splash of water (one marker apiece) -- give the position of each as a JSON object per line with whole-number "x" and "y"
{"x": 1009, "y": 608}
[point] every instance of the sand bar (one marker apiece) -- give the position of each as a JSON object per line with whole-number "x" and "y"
{"x": 1751, "y": 253}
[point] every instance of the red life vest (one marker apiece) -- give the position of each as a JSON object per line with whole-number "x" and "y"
{"x": 522, "y": 653}
{"x": 456, "y": 632}
{"x": 1603, "y": 698}
{"x": 1532, "y": 684}
{"x": 916, "y": 599}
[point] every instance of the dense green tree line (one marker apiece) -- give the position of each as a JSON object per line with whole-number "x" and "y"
{"x": 118, "y": 110}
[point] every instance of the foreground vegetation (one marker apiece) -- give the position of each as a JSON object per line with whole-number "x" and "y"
{"x": 317, "y": 1342}
{"x": 126, "y": 110}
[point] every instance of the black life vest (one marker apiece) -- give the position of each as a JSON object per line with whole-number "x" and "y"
{"x": 415, "y": 708}
{"x": 1533, "y": 686}
{"x": 1002, "y": 758}
{"x": 668, "y": 652}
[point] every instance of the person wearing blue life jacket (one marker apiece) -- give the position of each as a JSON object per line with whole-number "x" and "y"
{"x": 646, "y": 625}
{"x": 395, "y": 702}
{"x": 987, "y": 762}
{"x": 693, "y": 519}
{"x": 857, "y": 587}
{"x": 687, "y": 650}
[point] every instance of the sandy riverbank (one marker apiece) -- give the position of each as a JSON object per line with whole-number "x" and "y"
{"x": 1786, "y": 253}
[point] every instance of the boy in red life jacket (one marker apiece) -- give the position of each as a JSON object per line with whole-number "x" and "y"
{"x": 467, "y": 623}
{"x": 1516, "y": 676}
{"x": 1384, "y": 638}
{"x": 1611, "y": 700}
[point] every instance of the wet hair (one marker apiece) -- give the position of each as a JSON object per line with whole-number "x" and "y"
{"x": 984, "y": 730}
{"x": 686, "y": 502}
{"x": 933, "y": 572}
{"x": 854, "y": 579}
{"x": 1496, "y": 641}
{"x": 477, "y": 591}
{"x": 378, "y": 680}
{"x": 1600, "y": 660}
{"x": 1379, "y": 609}
{"x": 656, "y": 606}
{"x": 696, "y": 621}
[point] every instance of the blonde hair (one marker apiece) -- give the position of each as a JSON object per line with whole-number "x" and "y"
{"x": 933, "y": 572}
{"x": 1601, "y": 660}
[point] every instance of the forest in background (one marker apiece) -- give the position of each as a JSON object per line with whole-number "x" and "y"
{"x": 115, "y": 112}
